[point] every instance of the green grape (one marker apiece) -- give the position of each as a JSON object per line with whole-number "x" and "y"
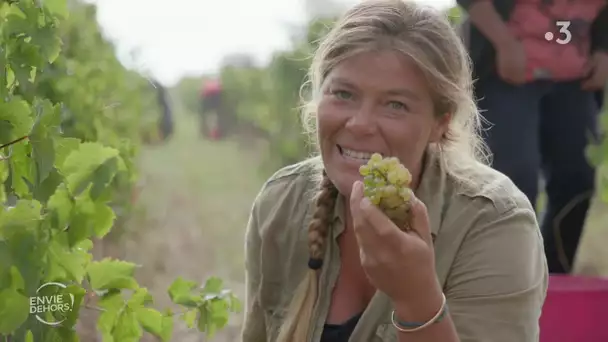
{"x": 376, "y": 157}
{"x": 386, "y": 184}
{"x": 393, "y": 177}
{"x": 365, "y": 170}
{"x": 390, "y": 190}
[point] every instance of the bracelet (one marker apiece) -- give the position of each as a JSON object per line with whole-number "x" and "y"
{"x": 409, "y": 327}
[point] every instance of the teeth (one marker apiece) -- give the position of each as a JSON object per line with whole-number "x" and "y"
{"x": 356, "y": 154}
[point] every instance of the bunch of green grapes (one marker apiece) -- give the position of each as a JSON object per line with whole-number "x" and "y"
{"x": 387, "y": 185}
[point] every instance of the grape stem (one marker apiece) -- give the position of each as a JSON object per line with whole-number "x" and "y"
{"x": 384, "y": 177}
{"x": 13, "y": 142}
{"x": 3, "y": 158}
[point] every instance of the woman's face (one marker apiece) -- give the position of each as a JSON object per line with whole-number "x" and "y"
{"x": 375, "y": 102}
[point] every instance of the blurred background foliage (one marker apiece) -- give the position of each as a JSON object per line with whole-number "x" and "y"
{"x": 267, "y": 98}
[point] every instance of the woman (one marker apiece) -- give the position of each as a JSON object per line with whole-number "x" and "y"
{"x": 393, "y": 77}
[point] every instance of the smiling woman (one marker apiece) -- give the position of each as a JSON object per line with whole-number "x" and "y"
{"x": 393, "y": 78}
{"x": 375, "y": 101}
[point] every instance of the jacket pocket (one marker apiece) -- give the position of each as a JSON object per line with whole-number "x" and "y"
{"x": 271, "y": 301}
{"x": 274, "y": 320}
{"x": 386, "y": 333}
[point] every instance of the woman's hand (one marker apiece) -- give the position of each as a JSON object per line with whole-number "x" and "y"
{"x": 400, "y": 264}
{"x": 597, "y": 71}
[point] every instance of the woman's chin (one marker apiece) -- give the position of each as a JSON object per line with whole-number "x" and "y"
{"x": 342, "y": 171}
{"x": 344, "y": 181}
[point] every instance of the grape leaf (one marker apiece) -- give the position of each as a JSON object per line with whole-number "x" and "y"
{"x": 190, "y": 318}
{"x": 49, "y": 43}
{"x": 111, "y": 274}
{"x": 103, "y": 219}
{"x": 140, "y": 297}
{"x": 81, "y": 163}
{"x": 151, "y": 320}
{"x": 17, "y": 282}
{"x": 63, "y": 148}
{"x": 43, "y": 153}
{"x": 180, "y": 292}
{"x": 72, "y": 261}
{"x": 60, "y": 206}
{"x": 17, "y": 113}
{"x": 57, "y": 7}
{"x": 167, "y": 329}
{"x": 111, "y": 303}
{"x": 22, "y": 168}
{"x": 47, "y": 188}
{"x": 213, "y": 285}
{"x": 14, "y": 309}
{"x": 127, "y": 327}
{"x": 25, "y": 214}
{"x": 102, "y": 176}
{"x": 29, "y": 336}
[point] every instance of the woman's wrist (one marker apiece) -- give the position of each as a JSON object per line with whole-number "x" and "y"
{"x": 420, "y": 308}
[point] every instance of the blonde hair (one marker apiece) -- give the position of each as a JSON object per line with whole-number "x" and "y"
{"x": 426, "y": 36}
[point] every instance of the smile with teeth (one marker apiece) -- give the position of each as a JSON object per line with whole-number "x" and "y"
{"x": 353, "y": 154}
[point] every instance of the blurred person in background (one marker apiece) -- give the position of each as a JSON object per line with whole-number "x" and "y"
{"x": 210, "y": 109}
{"x": 324, "y": 264}
{"x": 541, "y": 68}
{"x": 166, "y": 122}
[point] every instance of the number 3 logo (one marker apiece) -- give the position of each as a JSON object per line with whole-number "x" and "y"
{"x": 563, "y": 29}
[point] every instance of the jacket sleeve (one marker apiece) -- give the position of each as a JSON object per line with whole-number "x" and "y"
{"x": 599, "y": 31}
{"x": 254, "y": 325}
{"x": 499, "y": 278}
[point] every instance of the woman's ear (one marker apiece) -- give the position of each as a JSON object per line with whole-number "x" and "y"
{"x": 440, "y": 128}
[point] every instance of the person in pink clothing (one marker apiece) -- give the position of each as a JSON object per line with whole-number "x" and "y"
{"x": 541, "y": 68}
{"x": 210, "y": 109}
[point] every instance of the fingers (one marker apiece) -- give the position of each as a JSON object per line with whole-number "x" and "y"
{"x": 595, "y": 82}
{"x": 588, "y": 69}
{"x": 370, "y": 224}
{"x": 597, "y": 74}
{"x": 513, "y": 77}
{"x": 588, "y": 85}
{"x": 420, "y": 220}
{"x": 592, "y": 84}
{"x": 511, "y": 71}
{"x": 356, "y": 196}
{"x": 379, "y": 222}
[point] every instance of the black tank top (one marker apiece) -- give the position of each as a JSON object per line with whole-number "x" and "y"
{"x": 340, "y": 332}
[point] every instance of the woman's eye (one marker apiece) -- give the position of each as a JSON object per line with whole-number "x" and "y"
{"x": 342, "y": 94}
{"x": 397, "y": 105}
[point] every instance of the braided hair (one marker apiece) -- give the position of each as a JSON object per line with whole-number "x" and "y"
{"x": 296, "y": 326}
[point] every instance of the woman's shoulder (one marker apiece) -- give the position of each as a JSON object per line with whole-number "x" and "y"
{"x": 301, "y": 172}
{"x": 483, "y": 202}
{"x": 292, "y": 181}
{"x": 488, "y": 187}
{"x": 287, "y": 194}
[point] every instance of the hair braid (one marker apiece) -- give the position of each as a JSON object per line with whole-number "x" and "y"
{"x": 321, "y": 221}
{"x": 297, "y": 323}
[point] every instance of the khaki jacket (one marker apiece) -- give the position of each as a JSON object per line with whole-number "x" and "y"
{"x": 489, "y": 256}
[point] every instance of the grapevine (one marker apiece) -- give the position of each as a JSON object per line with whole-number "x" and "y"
{"x": 386, "y": 183}
{"x": 70, "y": 123}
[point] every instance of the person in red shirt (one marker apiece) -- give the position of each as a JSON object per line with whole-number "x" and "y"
{"x": 542, "y": 66}
{"x": 210, "y": 98}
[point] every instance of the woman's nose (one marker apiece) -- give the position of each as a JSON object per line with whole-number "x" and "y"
{"x": 363, "y": 121}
